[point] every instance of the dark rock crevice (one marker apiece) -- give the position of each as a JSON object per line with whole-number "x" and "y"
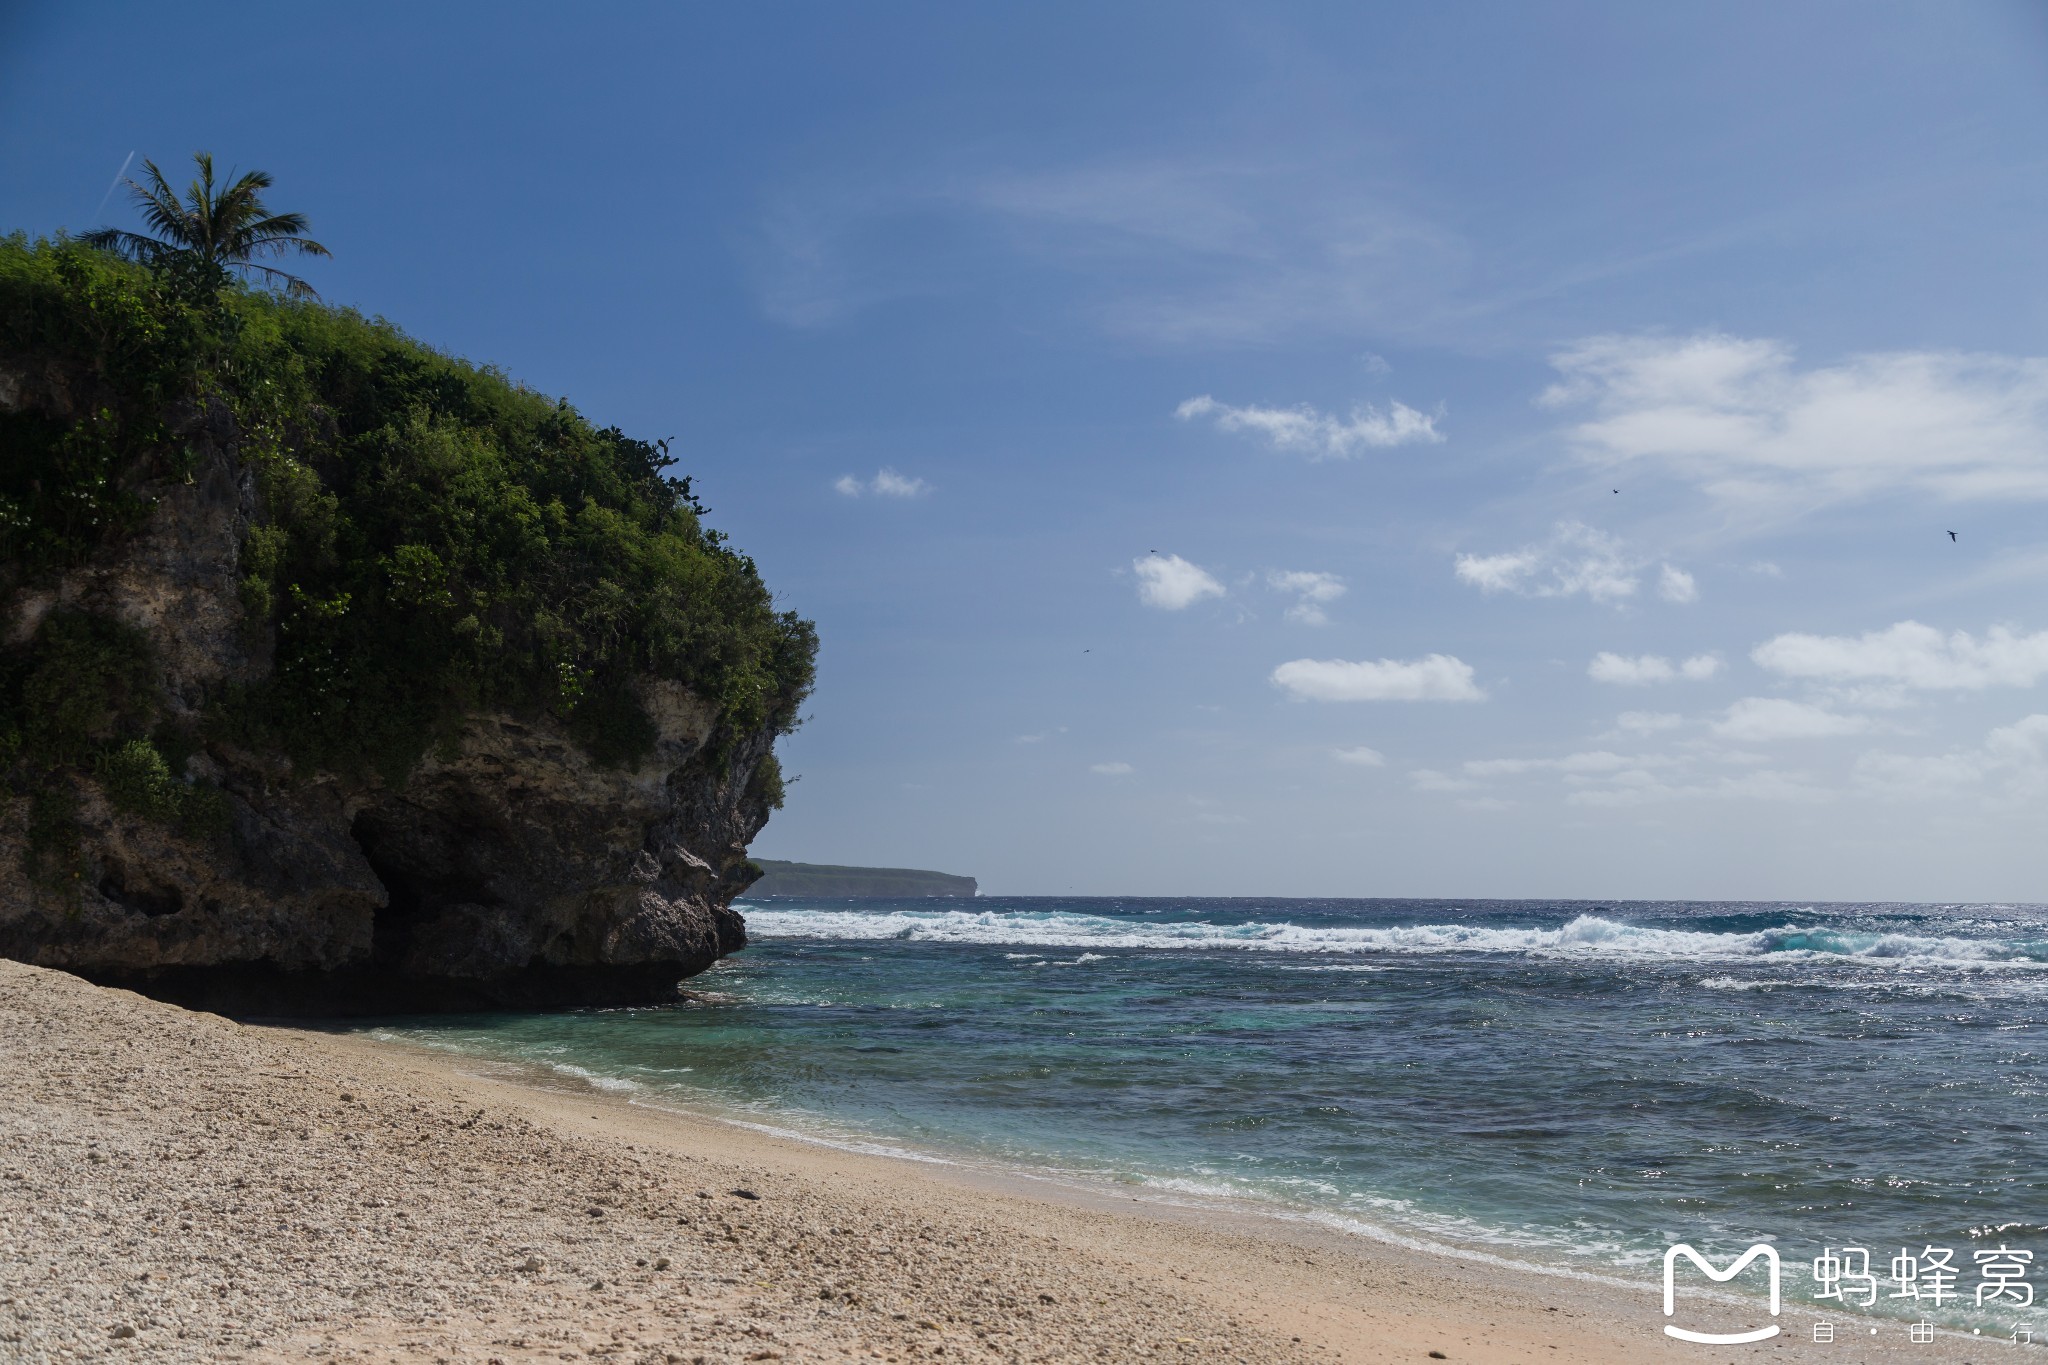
{"x": 418, "y": 890}
{"x": 119, "y": 885}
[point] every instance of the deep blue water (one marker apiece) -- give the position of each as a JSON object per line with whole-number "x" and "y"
{"x": 1571, "y": 1083}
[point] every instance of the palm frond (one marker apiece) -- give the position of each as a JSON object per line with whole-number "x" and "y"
{"x": 249, "y": 185}
{"x": 212, "y": 235}
{"x": 280, "y": 225}
{"x": 240, "y": 202}
{"x": 160, "y": 206}
{"x": 294, "y": 287}
{"x": 131, "y": 245}
{"x": 266, "y": 243}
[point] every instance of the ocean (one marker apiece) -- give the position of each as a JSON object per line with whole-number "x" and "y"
{"x": 1570, "y": 1085}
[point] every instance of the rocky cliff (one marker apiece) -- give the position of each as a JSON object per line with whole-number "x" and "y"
{"x": 165, "y": 827}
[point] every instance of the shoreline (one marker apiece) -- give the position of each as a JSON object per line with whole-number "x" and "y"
{"x": 175, "y": 1186}
{"x": 993, "y": 1175}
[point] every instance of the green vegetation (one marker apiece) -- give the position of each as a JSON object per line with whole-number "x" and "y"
{"x": 137, "y": 777}
{"x": 80, "y": 698}
{"x": 830, "y": 880}
{"x": 432, "y": 539}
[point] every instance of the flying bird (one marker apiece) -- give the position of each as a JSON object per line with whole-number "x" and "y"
{"x": 1951, "y": 535}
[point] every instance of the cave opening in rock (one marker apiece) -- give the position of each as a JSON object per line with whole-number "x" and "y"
{"x": 424, "y": 871}
{"x": 119, "y": 885}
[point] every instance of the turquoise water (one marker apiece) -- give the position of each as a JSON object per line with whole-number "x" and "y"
{"x": 1568, "y": 1084}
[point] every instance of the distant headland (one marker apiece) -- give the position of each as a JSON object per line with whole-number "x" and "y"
{"x": 825, "y": 879}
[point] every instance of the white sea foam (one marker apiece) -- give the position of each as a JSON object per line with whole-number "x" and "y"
{"x": 1410, "y": 1227}
{"x": 840, "y": 1143}
{"x": 594, "y": 1080}
{"x": 1586, "y": 936}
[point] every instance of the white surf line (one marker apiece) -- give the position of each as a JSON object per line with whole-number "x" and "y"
{"x": 1585, "y": 937}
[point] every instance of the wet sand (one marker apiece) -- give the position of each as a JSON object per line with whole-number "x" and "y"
{"x": 178, "y": 1187}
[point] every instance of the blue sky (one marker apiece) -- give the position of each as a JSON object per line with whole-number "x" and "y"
{"x": 1355, "y": 315}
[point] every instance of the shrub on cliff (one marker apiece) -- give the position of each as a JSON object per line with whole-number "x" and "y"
{"x": 432, "y": 538}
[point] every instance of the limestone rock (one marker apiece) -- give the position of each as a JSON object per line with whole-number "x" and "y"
{"x": 508, "y": 870}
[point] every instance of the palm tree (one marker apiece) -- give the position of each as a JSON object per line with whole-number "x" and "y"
{"x": 213, "y": 230}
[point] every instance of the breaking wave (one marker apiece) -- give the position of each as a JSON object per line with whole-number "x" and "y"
{"x": 1585, "y": 936}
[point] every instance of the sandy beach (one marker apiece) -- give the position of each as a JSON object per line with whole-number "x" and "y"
{"x": 175, "y": 1186}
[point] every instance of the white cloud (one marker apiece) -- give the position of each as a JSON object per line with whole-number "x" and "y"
{"x": 2013, "y": 756}
{"x": 1756, "y": 720}
{"x": 1361, "y": 757}
{"x": 1909, "y": 776}
{"x": 1576, "y": 559}
{"x": 1223, "y": 248}
{"x": 1319, "y": 435}
{"x": 1737, "y": 416}
{"x": 890, "y": 484}
{"x": 1603, "y": 777}
{"x": 1041, "y": 737}
{"x": 1374, "y": 363}
{"x": 1636, "y": 671}
{"x": 1862, "y": 696}
{"x": 1112, "y": 769}
{"x": 1761, "y": 785}
{"x": 1498, "y": 573}
{"x": 1647, "y": 722}
{"x": 1627, "y": 672}
{"x": 1912, "y": 655}
{"x": 1313, "y": 590}
{"x": 887, "y": 483}
{"x": 1317, "y": 587}
{"x": 1597, "y": 761}
{"x": 1172, "y": 583}
{"x": 1435, "y": 677}
{"x": 2023, "y": 743}
{"x": 1676, "y": 585}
